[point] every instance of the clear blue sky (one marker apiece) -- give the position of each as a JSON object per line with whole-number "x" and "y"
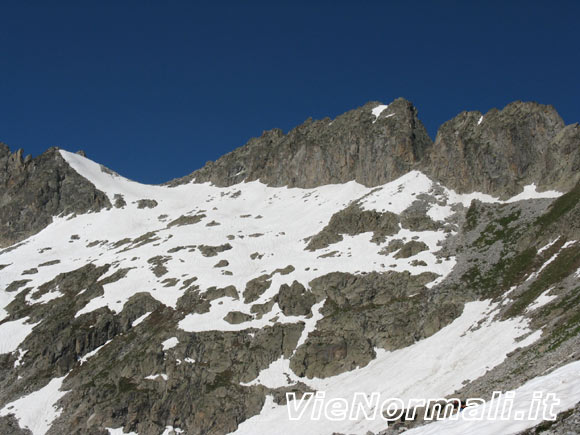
{"x": 155, "y": 89}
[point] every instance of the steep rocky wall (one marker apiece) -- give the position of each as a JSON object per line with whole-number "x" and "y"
{"x": 504, "y": 150}
{"x": 355, "y": 146}
{"x": 33, "y": 190}
{"x": 497, "y": 153}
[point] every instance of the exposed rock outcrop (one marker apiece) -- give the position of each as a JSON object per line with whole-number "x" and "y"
{"x": 34, "y": 190}
{"x": 355, "y": 146}
{"x": 497, "y": 153}
{"x": 506, "y": 149}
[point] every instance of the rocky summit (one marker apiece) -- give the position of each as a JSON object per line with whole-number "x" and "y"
{"x": 345, "y": 259}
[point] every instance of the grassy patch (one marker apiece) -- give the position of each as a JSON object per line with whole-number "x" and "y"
{"x": 568, "y": 329}
{"x": 519, "y": 266}
{"x": 471, "y": 217}
{"x": 222, "y": 379}
{"x": 126, "y": 385}
{"x": 568, "y": 316}
{"x": 566, "y": 263}
{"x": 497, "y": 230}
{"x": 559, "y": 207}
{"x": 502, "y": 275}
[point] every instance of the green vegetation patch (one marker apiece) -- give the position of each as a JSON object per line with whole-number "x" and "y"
{"x": 471, "y": 217}
{"x": 500, "y": 229}
{"x": 559, "y": 207}
{"x": 566, "y": 263}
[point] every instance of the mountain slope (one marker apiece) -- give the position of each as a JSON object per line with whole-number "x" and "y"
{"x": 195, "y": 306}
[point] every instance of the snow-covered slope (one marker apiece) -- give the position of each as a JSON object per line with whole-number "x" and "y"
{"x": 249, "y": 217}
{"x": 165, "y": 239}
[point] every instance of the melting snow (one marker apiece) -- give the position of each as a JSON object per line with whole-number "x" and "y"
{"x": 569, "y": 243}
{"x": 21, "y": 354}
{"x": 563, "y": 382}
{"x": 378, "y": 110}
{"x": 139, "y": 319}
{"x": 542, "y": 300}
{"x": 548, "y": 245}
{"x": 92, "y": 353}
{"x": 37, "y": 410}
{"x": 278, "y": 374}
{"x": 13, "y": 333}
{"x": 430, "y": 368}
{"x": 530, "y": 192}
{"x": 153, "y": 377}
{"x": 170, "y": 343}
{"x": 169, "y": 430}
{"x": 119, "y": 431}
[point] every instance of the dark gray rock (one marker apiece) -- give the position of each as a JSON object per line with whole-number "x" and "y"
{"x": 411, "y": 248}
{"x": 236, "y": 317}
{"x": 352, "y": 221}
{"x": 351, "y": 147}
{"x": 256, "y": 287}
{"x": 34, "y": 190}
{"x": 212, "y": 251}
{"x": 146, "y": 203}
{"x": 518, "y": 145}
{"x": 186, "y": 220}
{"x": 119, "y": 201}
{"x": 295, "y": 300}
{"x": 362, "y": 312}
{"x": 523, "y": 143}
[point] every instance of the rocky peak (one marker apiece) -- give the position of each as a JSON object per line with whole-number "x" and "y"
{"x": 357, "y": 145}
{"x": 497, "y": 153}
{"x": 33, "y": 190}
{"x": 500, "y": 152}
{"x": 4, "y": 150}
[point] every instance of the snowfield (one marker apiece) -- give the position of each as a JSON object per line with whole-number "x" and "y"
{"x": 430, "y": 368}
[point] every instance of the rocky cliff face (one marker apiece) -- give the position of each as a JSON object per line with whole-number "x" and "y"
{"x": 355, "y": 146}
{"x": 497, "y": 153}
{"x": 33, "y": 190}
{"x": 504, "y": 150}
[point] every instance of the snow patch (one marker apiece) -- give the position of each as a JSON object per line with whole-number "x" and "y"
{"x": 563, "y": 382}
{"x": 433, "y": 367}
{"x": 140, "y": 319}
{"x": 530, "y": 192}
{"x": 119, "y": 431}
{"x": 153, "y": 377}
{"x": 13, "y": 333}
{"x": 170, "y": 343}
{"x": 37, "y": 410}
{"x": 548, "y": 245}
{"x": 169, "y": 430}
{"x": 542, "y": 300}
{"x": 21, "y": 354}
{"x": 378, "y": 110}
{"x": 277, "y": 374}
{"x": 92, "y": 353}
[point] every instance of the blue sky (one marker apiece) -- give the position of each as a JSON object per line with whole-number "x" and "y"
{"x": 155, "y": 89}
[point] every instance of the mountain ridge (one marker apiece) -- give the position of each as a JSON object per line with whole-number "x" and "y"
{"x": 195, "y": 308}
{"x": 497, "y": 153}
{"x": 397, "y": 142}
